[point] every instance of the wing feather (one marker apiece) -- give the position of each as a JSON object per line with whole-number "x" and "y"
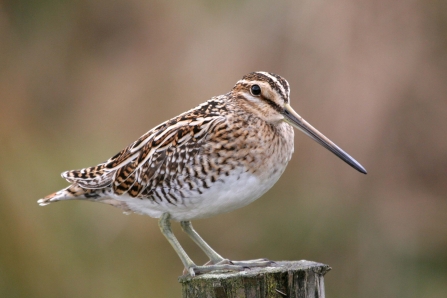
{"x": 155, "y": 159}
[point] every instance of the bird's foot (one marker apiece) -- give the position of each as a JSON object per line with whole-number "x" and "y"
{"x": 246, "y": 264}
{"x": 197, "y": 270}
{"x": 253, "y": 263}
{"x": 227, "y": 265}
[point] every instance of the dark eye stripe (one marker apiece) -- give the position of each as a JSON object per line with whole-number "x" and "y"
{"x": 273, "y": 104}
{"x": 274, "y": 84}
{"x": 246, "y": 87}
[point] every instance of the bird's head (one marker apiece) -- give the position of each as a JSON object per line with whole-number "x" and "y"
{"x": 267, "y": 96}
{"x": 263, "y": 94}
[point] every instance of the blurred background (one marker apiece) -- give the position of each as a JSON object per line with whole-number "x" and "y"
{"x": 80, "y": 80}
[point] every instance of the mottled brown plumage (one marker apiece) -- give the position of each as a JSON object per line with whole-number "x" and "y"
{"x": 217, "y": 157}
{"x": 185, "y": 156}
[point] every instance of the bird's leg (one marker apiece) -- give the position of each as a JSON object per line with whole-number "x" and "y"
{"x": 215, "y": 259}
{"x": 165, "y": 226}
{"x": 192, "y": 269}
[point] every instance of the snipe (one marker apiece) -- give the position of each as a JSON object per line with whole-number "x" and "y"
{"x": 217, "y": 157}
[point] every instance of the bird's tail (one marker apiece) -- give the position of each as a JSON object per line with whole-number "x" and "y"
{"x": 73, "y": 192}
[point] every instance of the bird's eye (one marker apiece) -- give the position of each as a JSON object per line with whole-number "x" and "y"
{"x": 255, "y": 90}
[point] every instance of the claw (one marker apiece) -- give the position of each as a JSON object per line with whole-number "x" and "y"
{"x": 192, "y": 272}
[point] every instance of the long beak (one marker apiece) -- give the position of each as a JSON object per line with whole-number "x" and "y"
{"x": 291, "y": 117}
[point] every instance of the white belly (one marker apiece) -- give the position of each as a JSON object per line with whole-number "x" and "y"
{"x": 233, "y": 192}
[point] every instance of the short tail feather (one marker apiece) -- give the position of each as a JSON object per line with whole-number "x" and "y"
{"x": 72, "y": 192}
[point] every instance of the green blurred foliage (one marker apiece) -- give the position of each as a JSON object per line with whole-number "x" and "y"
{"x": 79, "y": 80}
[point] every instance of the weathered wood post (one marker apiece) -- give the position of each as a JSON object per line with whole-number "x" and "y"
{"x": 301, "y": 279}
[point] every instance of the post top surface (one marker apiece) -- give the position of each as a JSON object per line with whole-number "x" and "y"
{"x": 301, "y": 265}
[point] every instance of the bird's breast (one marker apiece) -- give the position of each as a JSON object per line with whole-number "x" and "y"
{"x": 235, "y": 167}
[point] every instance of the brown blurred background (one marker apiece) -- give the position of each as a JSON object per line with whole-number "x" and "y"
{"x": 80, "y": 80}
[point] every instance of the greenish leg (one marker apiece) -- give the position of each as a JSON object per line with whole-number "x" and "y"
{"x": 192, "y": 269}
{"x": 165, "y": 226}
{"x": 188, "y": 229}
{"x": 215, "y": 259}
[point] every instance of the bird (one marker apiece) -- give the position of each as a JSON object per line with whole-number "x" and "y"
{"x": 217, "y": 157}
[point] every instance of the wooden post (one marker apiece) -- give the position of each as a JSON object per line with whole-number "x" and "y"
{"x": 286, "y": 279}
